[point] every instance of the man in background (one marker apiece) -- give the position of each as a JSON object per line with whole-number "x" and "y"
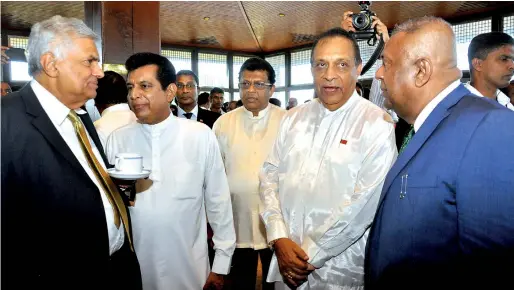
{"x": 111, "y": 101}
{"x": 203, "y": 101}
{"x": 491, "y": 65}
{"x": 245, "y": 136}
{"x": 291, "y": 103}
{"x": 187, "y": 98}
{"x": 216, "y": 100}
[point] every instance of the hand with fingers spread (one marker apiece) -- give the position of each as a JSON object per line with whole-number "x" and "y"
{"x": 346, "y": 23}
{"x": 292, "y": 262}
{"x": 380, "y": 28}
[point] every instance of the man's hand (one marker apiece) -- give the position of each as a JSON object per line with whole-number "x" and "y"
{"x": 292, "y": 262}
{"x": 346, "y": 23}
{"x": 5, "y": 58}
{"x": 380, "y": 28}
{"x": 214, "y": 282}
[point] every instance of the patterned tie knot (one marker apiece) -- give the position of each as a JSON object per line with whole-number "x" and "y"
{"x": 407, "y": 138}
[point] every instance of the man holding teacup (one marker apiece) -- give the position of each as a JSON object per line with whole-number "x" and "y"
{"x": 187, "y": 184}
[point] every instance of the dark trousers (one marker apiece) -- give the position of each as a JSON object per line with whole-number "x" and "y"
{"x": 243, "y": 274}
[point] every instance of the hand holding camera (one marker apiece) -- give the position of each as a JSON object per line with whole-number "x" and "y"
{"x": 364, "y": 24}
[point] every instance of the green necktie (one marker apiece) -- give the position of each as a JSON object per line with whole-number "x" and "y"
{"x": 407, "y": 138}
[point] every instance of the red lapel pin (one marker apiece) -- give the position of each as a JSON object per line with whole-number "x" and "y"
{"x": 343, "y": 142}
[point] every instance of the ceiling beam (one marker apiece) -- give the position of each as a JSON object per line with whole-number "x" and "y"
{"x": 241, "y": 6}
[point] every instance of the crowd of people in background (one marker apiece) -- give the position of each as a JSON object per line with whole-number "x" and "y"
{"x": 407, "y": 185}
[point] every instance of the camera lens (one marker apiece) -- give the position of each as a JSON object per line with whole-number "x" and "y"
{"x": 360, "y": 21}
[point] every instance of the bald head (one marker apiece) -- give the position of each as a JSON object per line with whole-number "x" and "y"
{"x": 429, "y": 37}
{"x": 419, "y": 61}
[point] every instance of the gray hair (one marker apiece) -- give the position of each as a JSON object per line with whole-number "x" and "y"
{"x": 413, "y": 25}
{"x": 54, "y": 35}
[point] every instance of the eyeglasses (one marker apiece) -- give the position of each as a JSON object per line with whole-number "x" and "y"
{"x": 189, "y": 86}
{"x": 257, "y": 85}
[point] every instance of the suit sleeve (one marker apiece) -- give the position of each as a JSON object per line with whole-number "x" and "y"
{"x": 351, "y": 221}
{"x": 219, "y": 207}
{"x": 485, "y": 192}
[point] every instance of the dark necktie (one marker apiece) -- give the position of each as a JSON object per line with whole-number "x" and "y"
{"x": 188, "y": 115}
{"x": 407, "y": 138}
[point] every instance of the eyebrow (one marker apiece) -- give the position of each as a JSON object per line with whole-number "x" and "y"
{"x": 339, "y": 59}
{"x": 93, "y": 57}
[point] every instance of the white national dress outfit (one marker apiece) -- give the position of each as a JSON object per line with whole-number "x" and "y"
{"x": 245, "y": 142}
{"x": 321, "y": 184}
{"x": 169, "y": 220}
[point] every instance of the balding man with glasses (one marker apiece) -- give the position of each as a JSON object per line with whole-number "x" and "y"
{"x": 245, "y": 136}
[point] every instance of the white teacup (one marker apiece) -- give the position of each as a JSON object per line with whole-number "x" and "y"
{"x": 129, "y": 163}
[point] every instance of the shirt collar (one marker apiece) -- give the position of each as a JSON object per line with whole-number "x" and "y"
{"x": 182, "y": 112}
{"x": 355, "y": 96}
{"x": 56, "y": 111}
{"x": 261, "y": 114}
{"x": 116, "y": 108}
{"x": 500, "y": 96}
{"x": 159, "y": 127}
{"x": 423, "y": 115}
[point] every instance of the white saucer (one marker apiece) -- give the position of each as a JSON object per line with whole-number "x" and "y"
{"x": 128, "y": 176}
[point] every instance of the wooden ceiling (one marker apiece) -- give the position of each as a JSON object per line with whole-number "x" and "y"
{"x": 251, "y": 26}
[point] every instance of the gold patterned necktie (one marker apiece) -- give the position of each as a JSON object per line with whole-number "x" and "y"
{"x": 110, "y": 189}
{"x": 407, "y": 138}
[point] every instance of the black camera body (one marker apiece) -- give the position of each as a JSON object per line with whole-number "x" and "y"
{"x": 362, "y": 21}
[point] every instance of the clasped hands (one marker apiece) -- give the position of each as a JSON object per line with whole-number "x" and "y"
{"x": 292, "y": 262}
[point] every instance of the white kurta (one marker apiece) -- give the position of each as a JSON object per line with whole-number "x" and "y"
{"x": 245, "y": 142}
{"x": 321, "y": 185}
{"x": 187, "y": 185}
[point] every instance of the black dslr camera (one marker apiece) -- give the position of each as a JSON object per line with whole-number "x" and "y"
{"x": 362, "y": 23}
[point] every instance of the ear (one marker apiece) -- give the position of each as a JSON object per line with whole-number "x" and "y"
{"x": 424, "y": 71}
{"x": 359, "y": 69}
{"x": 171, "y": 90}
{"x": 477, "y": 64}
{"x": 49, "y": 63}
{"x": 271, "y": 91}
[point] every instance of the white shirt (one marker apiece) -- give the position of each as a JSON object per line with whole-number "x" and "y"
{"x": 113, "y": 118}
{"x": 321, "y": 185}
{"x": 181, "y": 113}
{"x": 245, "y": 142}
{"x": 186, "y": 186}
{"x": 58, "y": 114}
{"x": 500, "y": 96}
{"x": 92, "y": 110}
{"x": 423, "y": 115}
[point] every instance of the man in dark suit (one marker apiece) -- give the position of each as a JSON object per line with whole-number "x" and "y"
{"x": 187, "y": 99}
{"x": 64, "y": 223}
{"x": 445, "y": 217}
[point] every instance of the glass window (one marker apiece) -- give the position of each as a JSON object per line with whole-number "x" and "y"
{"x": 212, "y": 70}
{"x": 281, "y": 96}
{"x": 19, "y": 69}
{"x": 508, "y": 25}
{"x": 237, "y": 62}
{"x": 181, "y": 59}
{"x": 302, "y": 95}
{"x": 236, "y": 95}
{"x": 366, "y": 52}
{"x": 278, "y": 62}
{"x": 464, "y": 33}
{"x": 301, "y": 67}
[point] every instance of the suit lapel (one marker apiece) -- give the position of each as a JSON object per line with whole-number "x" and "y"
{"x": 440, "y": 112}
{"x": 45, "y": 126}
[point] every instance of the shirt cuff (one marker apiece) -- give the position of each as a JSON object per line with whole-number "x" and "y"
{"x": 317, "y": 256}
{"x": 221, "y": 264}
{"x": 276, "y": 229}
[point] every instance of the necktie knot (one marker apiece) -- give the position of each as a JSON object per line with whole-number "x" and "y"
{"x": 74, "y": 118}
{"x": 188, "y": 115}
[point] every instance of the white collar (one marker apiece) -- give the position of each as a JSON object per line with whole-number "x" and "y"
{"x": 260, "y": 115}
{"x": 181, "y": 112}
{"x": 55, "y": 109}
{"x": 344, "y": 107}
{"x": 159, "y": 127}
{"x": 501, "y": 98}
{"x": 423, "y": 115}
{"x": 116, "y": 108}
